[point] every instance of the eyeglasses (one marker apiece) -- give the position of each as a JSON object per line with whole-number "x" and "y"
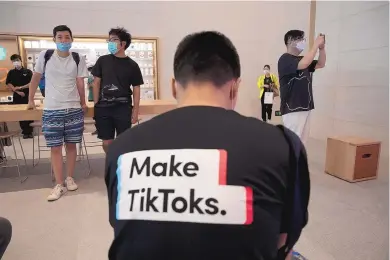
{"x": 113, "y": 40}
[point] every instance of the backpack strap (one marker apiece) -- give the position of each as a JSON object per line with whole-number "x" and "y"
{"x": 298, "y": 192}
{"x": 49, "y": 53}
{"x": 76, "y": 58}
{"x": 47, "y": 57}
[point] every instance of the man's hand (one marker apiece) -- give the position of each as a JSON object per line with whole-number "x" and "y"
{"x": 320, "y": 41}
{"x": 134, "y": 116}
{"x": 84, "y": 108}
{"x": 31, "y": 105}
{"x": 266, "y": 86}
{"x": 20, "y": 93}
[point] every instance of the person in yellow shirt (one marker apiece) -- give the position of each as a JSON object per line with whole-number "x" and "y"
{"x": 267, "y": 83}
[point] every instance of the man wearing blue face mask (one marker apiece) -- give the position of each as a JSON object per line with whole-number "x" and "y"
{"x": 295, "y": 76}
{"x": 116, "y": 104}
{"x": 18, "y": 81}
{"x": 63, "y": 114}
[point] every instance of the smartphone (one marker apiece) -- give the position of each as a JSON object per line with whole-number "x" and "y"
{"x": 324, "y": 36}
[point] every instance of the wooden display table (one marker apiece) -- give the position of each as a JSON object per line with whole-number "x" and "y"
{"x": 13, "y": 113}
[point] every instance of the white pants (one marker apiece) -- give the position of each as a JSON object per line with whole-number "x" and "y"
{"x": 299, "y": 123}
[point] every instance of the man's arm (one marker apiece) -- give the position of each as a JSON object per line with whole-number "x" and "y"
{"x": 11, "y": 87}
{"x": 23, "y": 87}
{"x": 36, "y": 78}
{"x": 321, "y": 59}
{"x": 96, "y": 89}
{"x": 81, "y": 90}
{"x": 33, "y": 88}
{"x": 8, "y": 82}
{"x": 82, "y": 73}
{"x": 137, "y": 81}
{"x": 309, "y": 57}
{"x": 136, "y": 97}
{"x": 97, "y": 79}
{"x": 305, "y": 62}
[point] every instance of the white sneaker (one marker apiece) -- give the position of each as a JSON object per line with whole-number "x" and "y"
{"x": 70, "y": 184}
{"x": 57, "y": 192}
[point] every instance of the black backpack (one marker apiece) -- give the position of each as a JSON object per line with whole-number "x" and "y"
{"x": 298, "y": 193}
{"x": 49, "y": 53}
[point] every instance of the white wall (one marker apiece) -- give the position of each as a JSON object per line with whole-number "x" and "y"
{"x": 352, "y": 93}
{"x": 256, "y": 29}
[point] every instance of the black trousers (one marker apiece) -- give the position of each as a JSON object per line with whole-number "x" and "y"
{"x": 5, "y": 235}
{"x": 24, "y": 125}
{"x": 266, "y": 109}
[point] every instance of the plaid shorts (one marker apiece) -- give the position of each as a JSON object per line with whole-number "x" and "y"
{"x": 63, "y": 125}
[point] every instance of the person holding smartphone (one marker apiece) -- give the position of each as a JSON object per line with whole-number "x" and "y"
{"x": 296, "y": 80}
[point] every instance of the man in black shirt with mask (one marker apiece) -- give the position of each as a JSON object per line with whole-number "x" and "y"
{"x": 114, "y": 74}
{"x": 201, "y": 181}
{"x": 296, "y": 81}
{"x": 18, "y": 81}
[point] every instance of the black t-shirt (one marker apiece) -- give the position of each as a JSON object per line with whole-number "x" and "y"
{"x": 268, "y": 81}
{"x": 19, "y": 77}
{"x": 198, "y": 183}
{"x": 117, "y": 75}
{"x": 296, "y": 91}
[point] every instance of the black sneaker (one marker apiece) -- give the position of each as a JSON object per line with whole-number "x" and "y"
{"x": 25, "y": 136}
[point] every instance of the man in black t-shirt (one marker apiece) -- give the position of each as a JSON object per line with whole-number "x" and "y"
{"x": 116, "y": 104}
{"x": 200, "y": 181}
{"x": 18, "y": 81}
{"x": 295, "y": 76}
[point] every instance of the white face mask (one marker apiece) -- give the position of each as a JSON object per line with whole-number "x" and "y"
{"x": 17, "y": 64}
{"x": 266, "y": 71}
{"x": 301, "y": 45}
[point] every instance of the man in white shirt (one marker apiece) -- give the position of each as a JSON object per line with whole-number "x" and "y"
{"x": 63, "y": 114}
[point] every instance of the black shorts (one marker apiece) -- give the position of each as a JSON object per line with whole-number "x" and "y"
{"x": 111, "y": 119}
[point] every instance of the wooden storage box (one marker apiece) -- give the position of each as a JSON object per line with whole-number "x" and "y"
{"x": 352, "y": 158}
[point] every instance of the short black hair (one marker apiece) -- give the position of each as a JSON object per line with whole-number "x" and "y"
{"x": 267, "y": 66}
{"x": 15, "y": 57}
{"x": 122, "y": 34}
{"x": 207, "y": 56}
{"x": 293, "y": 35}
{"x": 62, "y": 28}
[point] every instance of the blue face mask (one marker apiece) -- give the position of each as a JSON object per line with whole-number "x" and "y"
{"x": 64, "y": 46}
{"x": 112, "y": 47}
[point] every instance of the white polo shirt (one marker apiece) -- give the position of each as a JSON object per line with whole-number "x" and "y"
{"x": 60, "y": 80}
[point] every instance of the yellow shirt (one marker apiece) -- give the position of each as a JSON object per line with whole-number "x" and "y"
{"x": 260, "y": 83}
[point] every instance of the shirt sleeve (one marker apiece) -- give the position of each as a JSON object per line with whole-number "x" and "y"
{"x": 82, "y": 71}
{"x": 30, "y": 74}
{"x": 304, "y": 183}
{"x": 97, "y": 68}
{"x": 111, "y": 184}
{"x": 288, "y": 65}
{"x": 9, "y": 78}
{"x": 312, "y": 66}
{"x": 39, "y": 66}
{"x": 260, "y": 82}
{"x": 137, "y": 79}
